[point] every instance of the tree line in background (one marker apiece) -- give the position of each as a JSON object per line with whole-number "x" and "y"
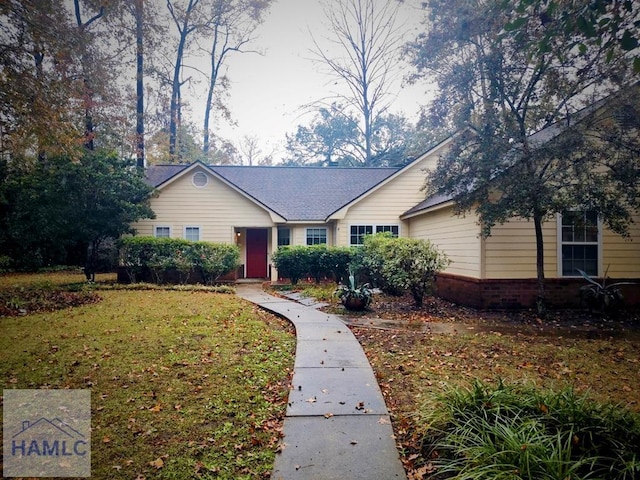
{"x": 68, "y": 80}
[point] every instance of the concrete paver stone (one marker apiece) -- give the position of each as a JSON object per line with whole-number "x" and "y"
{"x": 337, "y": 425}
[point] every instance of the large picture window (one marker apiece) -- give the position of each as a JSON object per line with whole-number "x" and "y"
{"x": 358, "y": 232}
{"x": 316, "y": 236}
{"x": 579, "y": 243}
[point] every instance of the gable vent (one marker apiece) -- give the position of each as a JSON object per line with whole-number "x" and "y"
{"x": 200, "y": 179}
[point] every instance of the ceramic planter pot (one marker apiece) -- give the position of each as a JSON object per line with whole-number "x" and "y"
{"x": 354, "y": 303}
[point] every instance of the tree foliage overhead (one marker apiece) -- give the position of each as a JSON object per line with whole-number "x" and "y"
{"x": 36, "y": 61}
{"x": 521, "y": 86}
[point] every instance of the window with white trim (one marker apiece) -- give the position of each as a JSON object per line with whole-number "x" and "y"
{"x": 284, "y": 237}
{"x": 162, "y": 232}
{"x": 316, "y": 236}
{"x": 357, "y": 232}
{"x": 579, "y": 243}
{"x": 192, "y": 234}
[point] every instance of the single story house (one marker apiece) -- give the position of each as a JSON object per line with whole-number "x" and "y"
{"x": 261, "y": 208}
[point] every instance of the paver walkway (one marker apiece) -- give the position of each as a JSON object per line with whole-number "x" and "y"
{"x": 337, "y": 425}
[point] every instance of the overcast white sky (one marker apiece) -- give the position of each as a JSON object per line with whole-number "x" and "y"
{"x": 267, "y": 91}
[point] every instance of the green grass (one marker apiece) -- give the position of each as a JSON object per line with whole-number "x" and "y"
{"x": 323, "y": 292}
{"x": 183, "y": 384}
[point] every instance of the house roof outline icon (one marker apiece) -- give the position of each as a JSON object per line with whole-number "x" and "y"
{"x": 63, "y": 427}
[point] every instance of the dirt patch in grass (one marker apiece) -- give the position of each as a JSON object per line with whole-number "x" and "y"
{"x": 15, "y": 302}
{"x": 183, "y": 384}
{"x": 23, "y": 293}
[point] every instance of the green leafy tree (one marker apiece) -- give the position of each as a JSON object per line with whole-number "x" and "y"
{"x": 61, "y": 211}
{"x": 610, "y": 24}
{"x": 330, "y": 138}
{"x": 334, "y": 137}
{"x": 522, "y": 90}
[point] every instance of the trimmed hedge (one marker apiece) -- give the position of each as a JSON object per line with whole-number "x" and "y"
{"x": 395, "y": 265}
{"x": 317, "y": 262}
{"x": 159, "y": 259}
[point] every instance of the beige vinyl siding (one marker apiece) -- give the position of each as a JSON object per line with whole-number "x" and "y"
{"x": 510, "y": 251}
{"x": 385, "y": 205}
{"x": 621, "y": 255}
{"x": 216, "y": 208}
{"x": 457, "y": 237}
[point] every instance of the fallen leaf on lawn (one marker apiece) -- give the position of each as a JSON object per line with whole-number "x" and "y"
{"x": 117, "y": 467}
{"x": 106, "y": 439}
{"x": 156, "y": 409}
{"x": 419, "y": 473}
{"x": 158, "y": 463}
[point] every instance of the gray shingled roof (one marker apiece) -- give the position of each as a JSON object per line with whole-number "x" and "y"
{"x": 429, "y": 202}
{"x": 295, "y": 193}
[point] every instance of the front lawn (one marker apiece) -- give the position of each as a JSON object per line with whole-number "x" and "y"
{"x": 183, "y": 384}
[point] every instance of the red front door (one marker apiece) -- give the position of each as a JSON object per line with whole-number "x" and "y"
{"x": 257, "y": 240}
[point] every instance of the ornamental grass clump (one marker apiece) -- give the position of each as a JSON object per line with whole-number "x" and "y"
{"x": 516, "y": 432}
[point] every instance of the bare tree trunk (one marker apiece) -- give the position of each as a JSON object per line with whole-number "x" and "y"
{"x": 215, "y": 66}
{"x": 184, "y": 28}
{"x": 38, "y": 57}
{"x": 89, "y": 134}
{"x": 368, "y": 34}
{"x": 175, "y": 99}
{"x": 232, "y": 27}
{"x": 139, "y": 9}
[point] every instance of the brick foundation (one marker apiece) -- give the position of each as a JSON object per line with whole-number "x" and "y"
{"x": 520, "y": 293}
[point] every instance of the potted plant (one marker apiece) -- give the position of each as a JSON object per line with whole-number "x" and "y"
{"x": 606, "y": 298}
{"x": 354, "y": 297}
